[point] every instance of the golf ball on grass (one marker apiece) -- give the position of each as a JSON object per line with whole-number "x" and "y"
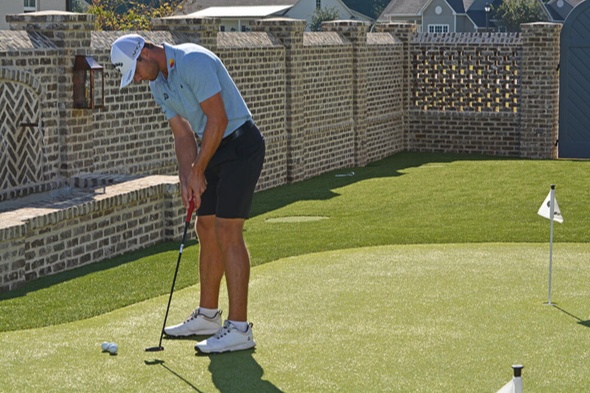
{"x": 105, "y": 346}
{"x": 113, "y": 348}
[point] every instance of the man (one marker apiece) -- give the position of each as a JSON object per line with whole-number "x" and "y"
{"x": 198, "y": 97}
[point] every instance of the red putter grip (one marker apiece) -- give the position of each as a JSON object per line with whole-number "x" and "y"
{"x": 189, "y": 212}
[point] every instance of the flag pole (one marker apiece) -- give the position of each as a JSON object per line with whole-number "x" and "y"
{"x": 551, "y": 216}
{"x": 517, "y": 377}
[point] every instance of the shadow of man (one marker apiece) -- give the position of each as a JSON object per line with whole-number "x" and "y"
{"x": 239, "y": 372}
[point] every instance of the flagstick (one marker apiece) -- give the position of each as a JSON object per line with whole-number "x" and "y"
{"x": 551, "y": 214}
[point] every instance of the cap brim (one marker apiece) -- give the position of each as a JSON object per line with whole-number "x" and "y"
{"x": 127, "y": 75}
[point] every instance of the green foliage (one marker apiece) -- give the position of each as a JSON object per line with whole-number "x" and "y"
{"x": 77, "y": 6}
{"x": 124, "y": 15}
{"x": 514, "y": 12}
{"x": 322, "y": 15}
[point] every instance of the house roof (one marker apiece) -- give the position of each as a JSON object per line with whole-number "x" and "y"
{"x": 190, "y": 6}
{"x": 404, "y": 7}
{"x": 245, "y": 11}
{"x": 560, "y": 9}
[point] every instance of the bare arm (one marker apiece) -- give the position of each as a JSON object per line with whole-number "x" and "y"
{"x": 185, "y": 146}
{"x": 214, "y": 109}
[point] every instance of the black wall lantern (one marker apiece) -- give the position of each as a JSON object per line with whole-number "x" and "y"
{"x": 88, "y": 90}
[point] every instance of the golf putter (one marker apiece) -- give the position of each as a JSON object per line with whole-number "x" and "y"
{"x": 189, "y": 214}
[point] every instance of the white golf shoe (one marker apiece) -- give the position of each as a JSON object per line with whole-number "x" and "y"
{"x": 195, "y": 325}
{"x": 227, "y": 339}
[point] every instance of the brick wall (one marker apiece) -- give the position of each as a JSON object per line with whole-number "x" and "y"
{"x": 340, "y": 98}
{"x": 82, "y": 227}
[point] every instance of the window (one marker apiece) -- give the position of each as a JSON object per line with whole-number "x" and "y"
{"x": 30, "y": 5}
{"x": 318, "y": 4}
{"x": 438, "y": 28}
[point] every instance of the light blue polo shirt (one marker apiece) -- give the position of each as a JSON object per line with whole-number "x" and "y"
{"x": 194, "y": 75}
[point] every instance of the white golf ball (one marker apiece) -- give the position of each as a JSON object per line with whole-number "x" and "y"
{"x": 105, "y": 346}
{"x": 113, "y": 348}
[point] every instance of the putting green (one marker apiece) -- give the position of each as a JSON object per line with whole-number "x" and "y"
{"x": 432, "y": 318}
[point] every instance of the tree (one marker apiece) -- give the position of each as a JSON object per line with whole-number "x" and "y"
{"x": 322, "y": 15}
{"x": 514, "y": 12}
{"x": 130, "y": 15}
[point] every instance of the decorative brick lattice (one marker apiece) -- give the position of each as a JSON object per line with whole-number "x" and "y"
{"x": 21, "y": 139}
{"x": 466, "y": 73}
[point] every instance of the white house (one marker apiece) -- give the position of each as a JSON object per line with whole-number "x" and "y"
{"x": 9, "y": 7}
{"x": 442, "y": 16}
{"x": 239, "y": 15}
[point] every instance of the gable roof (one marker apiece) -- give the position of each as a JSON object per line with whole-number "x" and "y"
{"x": 413, "y": 7}
{"x": 558, "y": 10}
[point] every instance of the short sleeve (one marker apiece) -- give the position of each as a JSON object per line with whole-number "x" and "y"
{"x": 199, "y": 70}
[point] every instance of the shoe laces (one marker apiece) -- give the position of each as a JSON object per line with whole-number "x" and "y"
{"x": 193, "y": 315}
{"x": 224, "y": 330}
{"x": 227, "y": 328}
{"x": 196, "y": 313}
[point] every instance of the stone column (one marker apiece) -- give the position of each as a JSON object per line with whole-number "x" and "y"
{"x": 539, "y": 107}
{"x": 290, "y": 32}
{"x": 356, "y": 33}
{"x": 405, "y": 32}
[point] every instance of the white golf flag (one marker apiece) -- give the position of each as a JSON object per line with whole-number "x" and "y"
{"x": 514, "y": 386}
{"x": 544, "y": 210}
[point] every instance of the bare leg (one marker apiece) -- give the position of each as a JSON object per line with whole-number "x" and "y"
{"x": 236, "y": 262}
{"x": 210, "y": 262}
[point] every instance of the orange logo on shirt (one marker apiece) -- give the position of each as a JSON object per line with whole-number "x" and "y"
{"x": 171, "y": 63}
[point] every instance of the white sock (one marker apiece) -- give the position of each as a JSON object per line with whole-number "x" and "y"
{"x": 241, "y": 326}
{"x": 208, "y": 312}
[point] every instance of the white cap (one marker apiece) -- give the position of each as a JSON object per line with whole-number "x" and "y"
{"x": 124, "y": 54}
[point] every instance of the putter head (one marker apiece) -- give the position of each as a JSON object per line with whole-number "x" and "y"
{"x": 154, "y": 349}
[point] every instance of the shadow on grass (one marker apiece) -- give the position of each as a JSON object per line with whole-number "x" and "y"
{"x": 239, "y": 372}
{"x": 316, "y": 188}
{"x": 582, "y": 322}
{"x": 320, "y": 187}
{"x": 230, "y": 372}
{"x": 61, "y": 277}
{"x": 158, "y": 362}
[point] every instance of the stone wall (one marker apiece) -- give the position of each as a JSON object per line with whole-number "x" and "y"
{"x": 340, "y": 98}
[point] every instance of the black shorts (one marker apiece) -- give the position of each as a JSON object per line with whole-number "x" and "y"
{"x": 232, "y": 174}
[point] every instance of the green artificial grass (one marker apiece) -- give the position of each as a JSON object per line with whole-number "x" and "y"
{"x": 409, "y": 198}
{"x": 419, "y": 273}
{"x": 401, "y": 318}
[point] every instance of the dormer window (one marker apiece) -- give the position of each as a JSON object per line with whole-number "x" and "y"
{"x": 30, "y": 5}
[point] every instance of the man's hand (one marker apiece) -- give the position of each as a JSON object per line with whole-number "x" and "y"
{"x": 214, "y": 109}
{"x": 191, "y": 160}
{"x": 197, "y": 184}
{"x": 185, "y": 146}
